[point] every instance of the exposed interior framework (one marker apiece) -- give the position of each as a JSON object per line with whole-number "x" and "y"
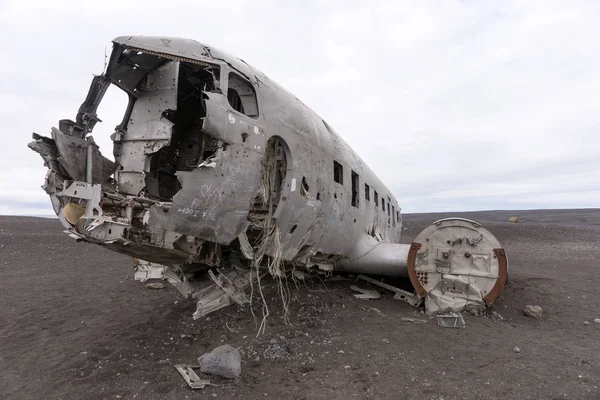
{"x": 189, "y": 145}
{"x": 273, "y": 175}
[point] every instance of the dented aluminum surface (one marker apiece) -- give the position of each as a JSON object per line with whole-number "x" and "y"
{"x": 216, "y": 167}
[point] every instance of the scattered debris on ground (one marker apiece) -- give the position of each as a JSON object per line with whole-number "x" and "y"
{"x": 597, "y": 320}
{"x": 107, "y": 353}
{"x": 533, "y": 311}
{"x": 516, "y": 349}
{"x": 224, "y": 361}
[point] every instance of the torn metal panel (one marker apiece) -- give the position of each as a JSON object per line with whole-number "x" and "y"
{"x": 227, "y": 288}
{"x": 213, "y": 203}
{"x": 145, "y": 270}
{"x": 73, "y": 155}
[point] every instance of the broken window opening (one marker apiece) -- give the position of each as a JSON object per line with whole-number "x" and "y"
{"x": 355, "y": 195}
{"x": 304, "y": 188}
{"x": 338, "y": 172}
{"x": 376, "y": 198}
{"x": 388, "y": 210}
{"x": 383, "y": 204}
{"x": 393, "y": 213}
{"x": 241, "y": 96}
{"x": 112, "y": 111}
{"x": 367, "y": 192}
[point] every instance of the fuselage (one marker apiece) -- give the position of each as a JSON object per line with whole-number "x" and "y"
{"x": 191, "y": 152}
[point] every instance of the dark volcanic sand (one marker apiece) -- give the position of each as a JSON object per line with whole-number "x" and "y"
{"x": 75, "y": 326}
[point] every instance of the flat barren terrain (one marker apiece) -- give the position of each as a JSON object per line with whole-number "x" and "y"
{"x": 74, "y": 325}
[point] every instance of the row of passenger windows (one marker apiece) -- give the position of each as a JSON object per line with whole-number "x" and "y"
{"x": 242, "y": 98}
{"x": 338, "y": 176}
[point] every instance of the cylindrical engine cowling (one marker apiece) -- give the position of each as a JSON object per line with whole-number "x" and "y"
{"x": 373, "y": 257}
{"x": 455, "y": 263}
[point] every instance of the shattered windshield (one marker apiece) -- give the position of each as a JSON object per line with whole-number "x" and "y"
{"x": 111, "y": 112}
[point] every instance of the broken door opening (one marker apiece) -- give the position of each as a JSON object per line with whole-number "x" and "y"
{"x": 189, "y": 144}
{"x": 272, "y": 181}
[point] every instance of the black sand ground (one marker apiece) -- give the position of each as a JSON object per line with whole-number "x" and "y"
{"x": 73, "y": 325}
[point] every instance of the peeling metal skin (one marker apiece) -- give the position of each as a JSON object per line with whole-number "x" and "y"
{"x": 209, "y": 153}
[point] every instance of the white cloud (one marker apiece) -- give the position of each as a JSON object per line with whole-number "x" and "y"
{"x": 455, "y": 104}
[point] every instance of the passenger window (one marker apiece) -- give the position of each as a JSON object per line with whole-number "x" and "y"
{"x": 338, "y": 172}
{"x": 367, "y": 192}
{"x": 354, "y": 189}
{"x": 241, "y": 96}
{"x": 376, "y": 198}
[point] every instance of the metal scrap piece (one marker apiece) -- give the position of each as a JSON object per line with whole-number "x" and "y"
{"x": 451, "y": 320}
{"x": 190, "y": 376}
{"x": 365, "y": 294}
{"x": 413, "y": 320}
{"x": 399, "y": 293}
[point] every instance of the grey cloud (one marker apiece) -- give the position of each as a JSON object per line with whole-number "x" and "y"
{"x": 456, "y": 105}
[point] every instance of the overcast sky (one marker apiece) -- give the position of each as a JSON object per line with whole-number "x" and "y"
{"x": 456, "y": 105}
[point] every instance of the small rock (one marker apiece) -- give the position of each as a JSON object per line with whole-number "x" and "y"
{"x": 513, "y": 219}
{"x": 214, "y": 395}
{"x": 597, "y": 321}
{"x": 346, "y": 366}
{"x": 473, "y": 311}
{"x": 156, "y": 285}
{"x": 586, "y": 322}
{"x": 533, "y": 311}
{"x": 516, "y": 349}
{"x": 223, "y": 361}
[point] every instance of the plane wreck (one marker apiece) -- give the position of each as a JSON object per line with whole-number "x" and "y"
{"x": 220, "y": 173}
